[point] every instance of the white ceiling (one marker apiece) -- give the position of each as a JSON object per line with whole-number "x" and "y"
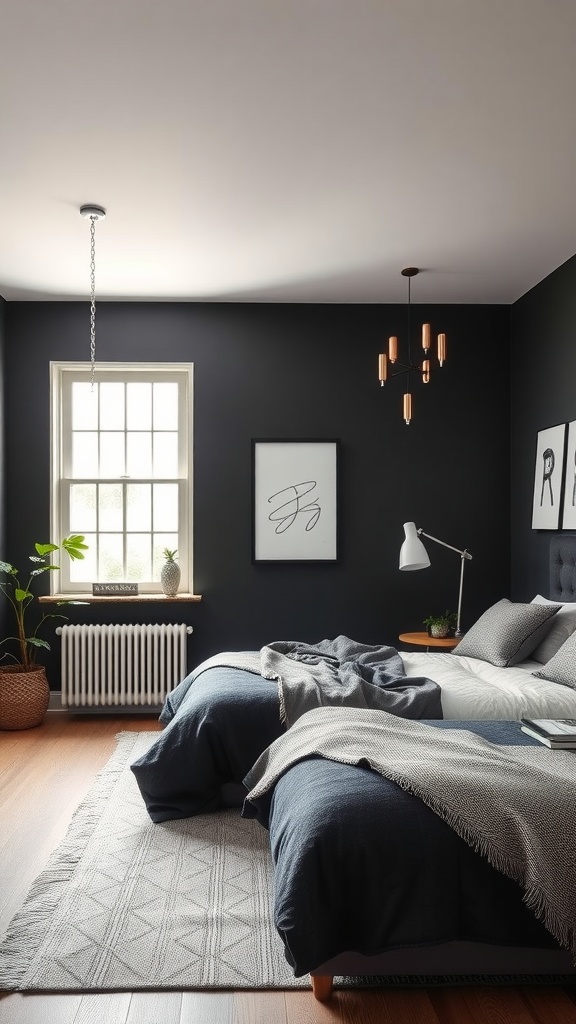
{"x": 287, "y": 150}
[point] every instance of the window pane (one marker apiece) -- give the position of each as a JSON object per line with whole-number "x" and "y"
{"x": 111, "y": 453}
{"x": 84, "y": 407}
{"x": 165, "y": 455}
{"x": 138, "y": 557}
{"x": 139, "y": 507}
{"x": 165, "y": 407}
{"x": 139, "y": 406}
{"x": 165, "y": 507}
{"x": 84, "y": 454}
{"x": 161, "y": 541}
{"x": 122, "y": 470}
{"x": 84, "y": 570}
{"x": 139, "y": 454}
{"x": 110, "y": 561}
{"x": 110, "y": 507}
{"x": 82, "y": 508}
{"x": 111, "y": 406}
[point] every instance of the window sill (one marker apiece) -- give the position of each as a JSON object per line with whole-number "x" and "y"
{"x": 108, "y": 598}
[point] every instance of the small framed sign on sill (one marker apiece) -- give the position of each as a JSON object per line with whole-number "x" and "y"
{"x": 114, "y": 589}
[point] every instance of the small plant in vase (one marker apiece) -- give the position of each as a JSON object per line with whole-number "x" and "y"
{"x": 441, "y": 625}
{"x": 170, "y": 574}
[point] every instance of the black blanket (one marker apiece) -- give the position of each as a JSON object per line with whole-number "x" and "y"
{"x": 362, "y": 865}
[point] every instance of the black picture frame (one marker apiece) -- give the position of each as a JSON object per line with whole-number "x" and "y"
{"x": 295, "y": 500}
{"x": 548, "y": 477}
{"x": 569, "y": 503}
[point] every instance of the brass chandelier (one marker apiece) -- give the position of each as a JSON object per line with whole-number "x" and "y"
{"x": 411, "y": 367}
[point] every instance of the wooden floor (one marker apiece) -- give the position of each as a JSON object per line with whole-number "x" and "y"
{"x": 44, "y": 774}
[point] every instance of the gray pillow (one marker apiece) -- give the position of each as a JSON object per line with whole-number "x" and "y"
{"x": 562, "y": 667}
{"x": 506, "y": 633}
{"x": 560, "y": 628}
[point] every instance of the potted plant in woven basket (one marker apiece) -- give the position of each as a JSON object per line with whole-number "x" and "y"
{"x": 24, "y": 690}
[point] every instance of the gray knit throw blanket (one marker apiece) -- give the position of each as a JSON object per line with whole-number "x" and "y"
{"x": 336, "y": 672}
{"x": 515, "y": 805}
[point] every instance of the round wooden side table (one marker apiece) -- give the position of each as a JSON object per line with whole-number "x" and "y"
{"x": 423, "y": 640}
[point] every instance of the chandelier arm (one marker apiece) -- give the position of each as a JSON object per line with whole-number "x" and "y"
{"x": 405, "y": 368}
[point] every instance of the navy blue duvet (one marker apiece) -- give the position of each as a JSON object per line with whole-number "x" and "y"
{"x": 218, "y": 725}
{"x": 362, "y": 865}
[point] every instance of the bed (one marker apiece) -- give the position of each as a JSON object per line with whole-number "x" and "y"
{"x": 229, "y": 709}
{"x": 370, "y": 880}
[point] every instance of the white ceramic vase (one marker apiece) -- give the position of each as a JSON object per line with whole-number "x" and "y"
{"x": 170, "y": 578}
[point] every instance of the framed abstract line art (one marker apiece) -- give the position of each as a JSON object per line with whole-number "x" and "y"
{"x": 295, "y": 500}
{"x": 546, "y": 503}
{"x": 569, "y": 512}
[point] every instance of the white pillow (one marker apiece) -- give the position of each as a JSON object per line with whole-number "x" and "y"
{"x": 561, "y": 627}
{"x": 562, "y": 667}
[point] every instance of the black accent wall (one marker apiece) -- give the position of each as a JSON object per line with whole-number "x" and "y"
{"x": 295, "y": 371}
{"x": 543, "y": 393}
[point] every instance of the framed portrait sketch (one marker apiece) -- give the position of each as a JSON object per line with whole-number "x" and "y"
{"x": 569, "y": 513}
{"x": 546, "y": 503}
{"x": 295, "y": 500}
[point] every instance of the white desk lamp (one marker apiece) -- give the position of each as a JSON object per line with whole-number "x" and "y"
{"x": 413, "y": 555}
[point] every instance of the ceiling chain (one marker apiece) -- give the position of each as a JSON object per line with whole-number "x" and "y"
{"x": 93, "y": 213}
{"x": 92, "y": 300}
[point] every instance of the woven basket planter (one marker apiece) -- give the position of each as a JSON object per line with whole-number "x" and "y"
{"x": 24, "y": 697}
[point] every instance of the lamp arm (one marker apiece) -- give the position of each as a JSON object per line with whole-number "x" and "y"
{"x": 464, "y": 554}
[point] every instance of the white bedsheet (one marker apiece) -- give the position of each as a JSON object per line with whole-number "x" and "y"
{"x": 473, "y": 689}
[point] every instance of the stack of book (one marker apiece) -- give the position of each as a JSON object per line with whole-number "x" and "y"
{"x": 557, "y": 733}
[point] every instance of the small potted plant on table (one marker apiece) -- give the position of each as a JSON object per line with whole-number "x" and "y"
{"x": 440, "y": 626}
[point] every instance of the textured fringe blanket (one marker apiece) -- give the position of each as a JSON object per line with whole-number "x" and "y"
{"x": 514, "y": 805}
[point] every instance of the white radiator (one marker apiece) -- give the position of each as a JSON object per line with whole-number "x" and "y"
{"x": 115, "y": 665}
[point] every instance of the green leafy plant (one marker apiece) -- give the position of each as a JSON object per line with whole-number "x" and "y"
{"x": 446, "y": 620}
{"x": 20, "y": 596}
{"x": 169, "y": 555}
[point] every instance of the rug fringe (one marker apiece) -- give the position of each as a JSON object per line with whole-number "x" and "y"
{"x": 45, "y": 892}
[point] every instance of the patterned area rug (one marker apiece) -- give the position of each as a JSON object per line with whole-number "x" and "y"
{"x": 126, "y": 904}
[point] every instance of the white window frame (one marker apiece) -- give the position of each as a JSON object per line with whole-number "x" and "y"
{"x": 62, "y": 376}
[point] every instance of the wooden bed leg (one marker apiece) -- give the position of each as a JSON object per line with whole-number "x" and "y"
{"x": 322, "y": 986}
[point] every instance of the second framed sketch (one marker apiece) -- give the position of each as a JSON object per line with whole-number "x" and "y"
{"x": 569, "y": 513}
{"x": 548, "y": 478}
{"x": 295, "y": 500}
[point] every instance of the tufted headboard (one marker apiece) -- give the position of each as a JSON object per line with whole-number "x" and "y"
{"x": 563, "y": 567}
